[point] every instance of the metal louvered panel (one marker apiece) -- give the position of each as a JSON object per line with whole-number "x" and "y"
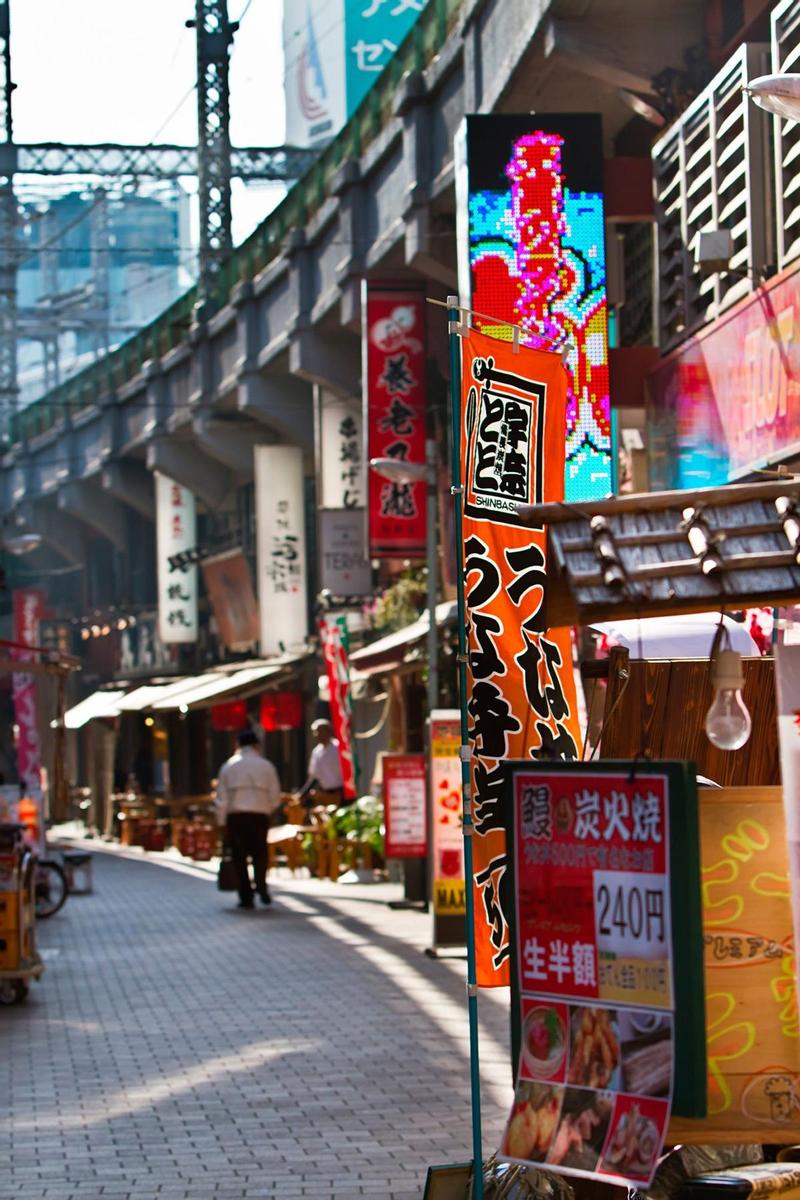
{"x": 711, "y": 173}
{"x": 786, "y": 58}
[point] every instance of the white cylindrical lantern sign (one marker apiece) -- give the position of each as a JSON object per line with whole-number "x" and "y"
{"x": 176, "y": 534}
{"x": 281, "y": 548}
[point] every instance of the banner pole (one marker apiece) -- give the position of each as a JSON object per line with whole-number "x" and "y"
{"x": 453, "y": 316}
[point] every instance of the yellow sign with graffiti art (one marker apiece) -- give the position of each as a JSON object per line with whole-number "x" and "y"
{"x": 753, "y": 1046}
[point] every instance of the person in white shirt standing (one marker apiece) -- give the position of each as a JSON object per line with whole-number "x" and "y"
{"x": 324, "y": 783}
{"x": 248, "y": 793}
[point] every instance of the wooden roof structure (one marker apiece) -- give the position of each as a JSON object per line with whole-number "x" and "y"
{"x": 661, "y": 553}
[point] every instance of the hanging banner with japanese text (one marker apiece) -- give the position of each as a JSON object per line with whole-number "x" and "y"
{"x": 229, "y": 587}
{"x": 522, "y": 701}
{"x": 405, "y": 789}
{"x": 394, "y": 405}
{"x": 601, "y": 1000}
{"x": 281, "y": 548}
{"x": 177, "y": 575}
{"x": 340, "y": 450}
{"x": 28, "y": 604}
{"x": 335, "y": 646}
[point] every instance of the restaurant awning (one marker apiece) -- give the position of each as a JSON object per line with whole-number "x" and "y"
{"x": 143, "y": 697}
{"x": 213, "y": 686}
{"x": 390, "y": 650}
{"x": 99, "y": 704}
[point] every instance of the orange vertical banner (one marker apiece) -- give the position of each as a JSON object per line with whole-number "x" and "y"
{"x": 521, "y": 689}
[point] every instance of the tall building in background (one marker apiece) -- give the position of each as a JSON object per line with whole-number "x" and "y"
{"x": 334, "y": 50}
{"x": 95, "y": 267}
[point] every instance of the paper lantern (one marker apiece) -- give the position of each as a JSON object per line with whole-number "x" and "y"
{"x": 281, "y": 710}
{"x": 228, "y": 717}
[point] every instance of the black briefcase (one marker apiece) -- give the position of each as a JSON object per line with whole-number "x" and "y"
{"x": 226, "y": 876}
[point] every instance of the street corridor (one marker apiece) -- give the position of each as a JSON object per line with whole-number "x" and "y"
{"x": 179, "y": 1049}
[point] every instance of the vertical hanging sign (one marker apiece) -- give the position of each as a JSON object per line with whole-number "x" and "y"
{"x": 340, "y": 451}
{"x": 522, "y": 700}
{"x": 176, "y": 533}
{"x": 335, "y": 648}
{"x": 27, "y": 619}
{"x": 281, "y": 548}
{"x": 394, "y": 406}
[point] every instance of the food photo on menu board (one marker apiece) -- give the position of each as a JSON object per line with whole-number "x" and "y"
{"x": 599, "y": 996}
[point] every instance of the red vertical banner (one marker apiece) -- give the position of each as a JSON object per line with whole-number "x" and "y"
{"x": 394, "y": 416}
{"x": 335, "y": 648}
{"x": 521, "y": 690}
{"x": 27, "y": 619}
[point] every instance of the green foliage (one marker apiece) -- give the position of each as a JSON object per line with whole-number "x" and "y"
{"x": 360, "y": 821}
{"x": 402, "y": 602}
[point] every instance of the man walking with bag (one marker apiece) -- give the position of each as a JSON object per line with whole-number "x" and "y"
{"x": 248, "y": 793}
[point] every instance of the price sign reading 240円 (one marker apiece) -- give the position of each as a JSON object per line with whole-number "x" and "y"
{"x": 593, "y": 950}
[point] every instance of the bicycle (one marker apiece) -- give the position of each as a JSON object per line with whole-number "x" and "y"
{"x": 50, "y": 888}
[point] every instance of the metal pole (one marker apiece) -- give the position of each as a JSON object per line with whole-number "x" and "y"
{"x": 431, "y": 550}
{"x": 472, "y": 985}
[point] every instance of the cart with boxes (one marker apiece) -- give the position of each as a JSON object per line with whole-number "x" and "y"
{"x": 19, "y": 959}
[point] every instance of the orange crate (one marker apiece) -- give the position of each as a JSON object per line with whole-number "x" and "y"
{"x": 9, "y": 911}
{"x": 9, "y": 951}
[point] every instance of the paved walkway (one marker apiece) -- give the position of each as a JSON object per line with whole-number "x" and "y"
{"x": 179, "y": 1048}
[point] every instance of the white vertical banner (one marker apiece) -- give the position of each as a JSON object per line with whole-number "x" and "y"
{"x": 281, "y": 548}
{"x": 176, "y": 532}
{"x": 314, "y": 70}
{"x": 340, "y": 452}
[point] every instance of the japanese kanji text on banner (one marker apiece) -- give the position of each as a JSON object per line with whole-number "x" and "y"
{"x": 177, "y": 581}
{"x": 281, "y": 548}
{"x": 394, "y": 404}
{"x": 593, "y": 947}
{"x": 521, "y": 688}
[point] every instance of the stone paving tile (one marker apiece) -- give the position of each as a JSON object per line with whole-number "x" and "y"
{"x": 178, "y": 1049}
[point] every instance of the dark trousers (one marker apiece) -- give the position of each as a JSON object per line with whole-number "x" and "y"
{"x": 247, "y": 837}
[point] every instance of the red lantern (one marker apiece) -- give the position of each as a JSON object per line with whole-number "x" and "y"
{"x": 281, "y": 710}
{"x": 229, "y": 717}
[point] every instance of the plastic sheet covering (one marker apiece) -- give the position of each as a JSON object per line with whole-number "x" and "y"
{"x": 686, "y": 1162}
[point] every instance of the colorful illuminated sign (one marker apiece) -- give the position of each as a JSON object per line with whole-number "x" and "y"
{"x": 532, "y": 215}
{"x": 727, "y": 402}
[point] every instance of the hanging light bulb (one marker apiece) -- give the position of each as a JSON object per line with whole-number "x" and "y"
{"x": 728, "y": 722}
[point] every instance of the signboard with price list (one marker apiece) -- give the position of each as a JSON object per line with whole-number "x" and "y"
{"x": 405, "y": 805}
{"x": 610, "y": 1019}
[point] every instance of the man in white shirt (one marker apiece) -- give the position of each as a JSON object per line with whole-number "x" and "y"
{"x": 324, "y": 783}
{"x": 248, "y": 793}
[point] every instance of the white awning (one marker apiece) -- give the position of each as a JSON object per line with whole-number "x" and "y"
{"x": 99, "y": 704}
{"x": 146, "y": 695}
{"x": 393, "y": 646}
{"x": 217, "y": 685}
{"x": 684, "y": 635}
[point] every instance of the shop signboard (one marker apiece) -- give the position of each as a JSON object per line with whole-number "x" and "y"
{"x": 344, "y": 569}
{"x": 176, "y": 533}
{"x": 229, "y": 587}
{"x": 405, "y": 805}
{"x": 752, "y": 1026}
{"x": 787, "y": 679}
{"x": 608, "y": 964}
{"x": 531, "y": 240}
{"x": 314, "y": 70}
{"x": 281, "y": 548}
{"x": 334, "y": 50}
{"x": 727, "y": 401}
{"x": 335, "y": 646}
{"x": 340, "y": 451}
{"x": 447, "y": 836}
{"x": 393, "y": 345}
{"x": 521, "y": 689}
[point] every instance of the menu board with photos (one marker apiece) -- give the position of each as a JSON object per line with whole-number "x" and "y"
{"x": 597, "y": 915}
